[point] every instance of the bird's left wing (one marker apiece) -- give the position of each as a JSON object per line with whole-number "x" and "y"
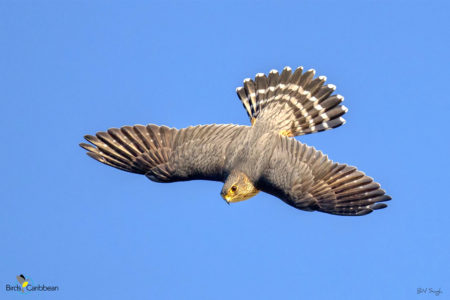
{"x": 165, "y": 154}
{"x": 306, "y": 179}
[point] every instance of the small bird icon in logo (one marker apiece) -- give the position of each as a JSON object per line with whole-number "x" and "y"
{"x": 23, "y": 281}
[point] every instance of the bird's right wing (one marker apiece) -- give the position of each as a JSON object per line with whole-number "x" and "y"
{"x": 165, "y": 154}
{"x": 306, "y": 179}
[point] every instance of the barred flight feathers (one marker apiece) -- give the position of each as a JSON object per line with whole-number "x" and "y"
{"x": 165, "y": 154}
{"x": 306, "y": 179}
{"x": 293, "y": 103}
{"x": 249, "y": 159}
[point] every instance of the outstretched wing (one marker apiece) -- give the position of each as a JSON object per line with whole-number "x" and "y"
{"x": 166, "y": 154}
{"x": 306, "y": 179}
{"x": 292, "y": 103}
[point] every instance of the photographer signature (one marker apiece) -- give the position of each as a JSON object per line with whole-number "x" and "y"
{"x": 429, "y": 291}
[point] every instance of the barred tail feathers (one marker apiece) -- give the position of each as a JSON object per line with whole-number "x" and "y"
{"x": 294, "y": 103}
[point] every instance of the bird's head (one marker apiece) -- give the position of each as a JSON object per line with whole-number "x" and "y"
{"x": 238, "y": 187}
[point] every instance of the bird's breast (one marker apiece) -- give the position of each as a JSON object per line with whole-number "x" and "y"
{"x": 252, "y": 154}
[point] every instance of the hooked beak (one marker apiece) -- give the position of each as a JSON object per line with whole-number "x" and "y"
{"x": 226, "y": 198}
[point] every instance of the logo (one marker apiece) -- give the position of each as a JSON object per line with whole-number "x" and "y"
{"x": 23, "y": 281}
{"x": 25, "y": 285}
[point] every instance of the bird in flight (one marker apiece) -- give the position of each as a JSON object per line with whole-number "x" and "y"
{"x": 249, "y": 159}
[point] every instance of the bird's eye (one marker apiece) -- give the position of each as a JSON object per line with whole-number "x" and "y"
{"x": 234, "y": 188}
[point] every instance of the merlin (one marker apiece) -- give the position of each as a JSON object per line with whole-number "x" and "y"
{"x": 263, "y": 156}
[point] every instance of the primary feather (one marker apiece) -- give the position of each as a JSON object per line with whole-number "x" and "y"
{"x": 248, "y": 159}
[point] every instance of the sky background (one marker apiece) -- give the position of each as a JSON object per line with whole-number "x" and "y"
{"x": 77, "y": 67}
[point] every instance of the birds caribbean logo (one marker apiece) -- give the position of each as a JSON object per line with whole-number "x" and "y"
{"x": 23, "y": 281}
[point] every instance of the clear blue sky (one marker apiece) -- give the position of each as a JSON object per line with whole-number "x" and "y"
{"x": 76, "y": 67}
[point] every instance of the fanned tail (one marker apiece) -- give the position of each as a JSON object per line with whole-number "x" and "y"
{"x": 293, "y": 103}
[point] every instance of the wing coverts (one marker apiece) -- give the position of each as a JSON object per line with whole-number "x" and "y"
{"x": 279, "y": 106}
{"x": 306, "y": 179}
{"x": 165, "y": 154}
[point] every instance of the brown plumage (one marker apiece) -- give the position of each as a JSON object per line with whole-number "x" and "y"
{"x": 249, "y": 159}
